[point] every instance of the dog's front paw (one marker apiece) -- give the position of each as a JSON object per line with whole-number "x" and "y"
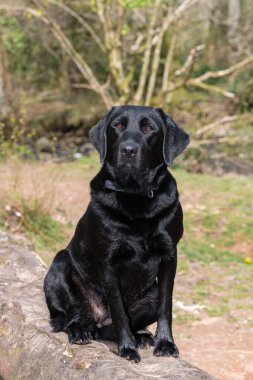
{"x": 165, "y": 347}
{"x": 144, "y": 339}
{"x": 130, "y": 353}
{"x": 78, "y": 334}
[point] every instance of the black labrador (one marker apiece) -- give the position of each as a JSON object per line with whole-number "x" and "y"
{"x": 116, "y": 275}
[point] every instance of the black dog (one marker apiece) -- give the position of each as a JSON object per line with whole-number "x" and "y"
{"x": 116, "y": 275}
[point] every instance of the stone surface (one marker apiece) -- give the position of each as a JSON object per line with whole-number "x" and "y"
{"x": 29, "y": 350}
{"x": 43, "y": 144}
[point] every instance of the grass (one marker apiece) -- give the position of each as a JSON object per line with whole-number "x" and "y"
{"x": 41, "y": 227}
{"x": 217, "y": 210}
{"x": 217, "y": 217}
{"x": 30, "y": 217}
{"x": 28, "y": 198}
{"x": 50, "y": 198}
{"x": 217, "y": 310}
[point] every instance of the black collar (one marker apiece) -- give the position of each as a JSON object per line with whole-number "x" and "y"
{"x": 114, "y": 186}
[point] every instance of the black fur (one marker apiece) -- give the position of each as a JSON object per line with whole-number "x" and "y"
{"x": 116, "y": 275}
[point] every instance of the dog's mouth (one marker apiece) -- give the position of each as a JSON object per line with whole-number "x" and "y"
{"x": 134, "y": 164}
{"x": 128, "y": 167}
{"x": 130, "y": 170}
{"x": 131, "y": 177}
{"x": 126, "y": 177}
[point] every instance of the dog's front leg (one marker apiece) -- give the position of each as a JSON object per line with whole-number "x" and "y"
{"x": 126, "y": 341}
{"x": 164, "y": 343}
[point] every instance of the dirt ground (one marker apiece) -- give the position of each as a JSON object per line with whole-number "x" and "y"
{"x": 223, "y": 349}
{"x": 220, "y": 344}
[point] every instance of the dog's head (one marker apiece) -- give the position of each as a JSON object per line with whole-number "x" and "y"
{"x": 136, "y": 139}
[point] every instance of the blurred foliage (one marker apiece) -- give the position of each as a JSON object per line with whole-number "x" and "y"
{"x": 15, "y": 43}
{"x": 136, "y": 3}
{"x": 34, "y": 52}
{"x": 43, "y": 79}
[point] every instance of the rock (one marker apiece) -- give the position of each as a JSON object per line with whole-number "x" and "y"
{"x": 44, "y": 145}
{"x": 77, "y": 155}
{"x": 29, "y": 350}
{"x": 86, "y": 149}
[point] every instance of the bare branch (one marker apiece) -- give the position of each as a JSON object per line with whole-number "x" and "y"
{"x": 112, "y": 44}
{"x": 67, "y": 46}
{"x": 136, "y": 48}
{"x": 156, "y": 59}
{"x": 180, "y": 11}
{"x": 171, "y": 18}
{"x": 190, "y": 60}
{"x": 12, "y": 8}
{"x": 209, "y": 87}
{"x": 224, "y": 120}
{"x": 184, "y": 71}
{"x": 147, "y": 55}
{"x": 229, "y": 139}
{"x": 86, "y": 85}
{"x": 80, "y": 20}
{"x": 168, "y": 61}
{"x": 82, "y": 85}
{"x": 225, "y": 72}
{"x": 199, "y": 81}
{"x": 120, "y": 11}
{"x": 79, "y": 61}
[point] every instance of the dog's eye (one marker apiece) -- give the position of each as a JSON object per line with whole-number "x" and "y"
{"x": 147, "y": 128}
{"x": 119, "y": 126}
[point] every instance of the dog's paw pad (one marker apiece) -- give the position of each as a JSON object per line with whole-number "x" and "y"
{"x": 129, "y": 353}
{"x": 164, "y": 347}
{"x": 78, "y": 334}
{"x": 144, "y": 339}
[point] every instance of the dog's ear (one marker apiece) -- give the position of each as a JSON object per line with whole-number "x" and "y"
{"x": 98, "y": 138}
{"x": 175, "y": 140}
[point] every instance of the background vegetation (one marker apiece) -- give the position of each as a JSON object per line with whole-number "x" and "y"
{"x": 64, "y": 62}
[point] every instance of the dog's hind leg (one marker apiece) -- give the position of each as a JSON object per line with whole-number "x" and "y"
{"x": 68, "y": 301}
{"x": 141, "y": 313}
{"x": 56, "y": 292}
{"x": 106, "y": 332}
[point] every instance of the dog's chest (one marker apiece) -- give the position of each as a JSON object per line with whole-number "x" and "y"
{"x": 143, "y": 247}
{"x": 136, "y": 276}
{"x": 138, "y": 257}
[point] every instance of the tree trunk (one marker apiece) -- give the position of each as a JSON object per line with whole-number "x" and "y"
{"x": 233, "y": 35}
{"x": 5, "y": 83}
{"x": 29, "y": 350}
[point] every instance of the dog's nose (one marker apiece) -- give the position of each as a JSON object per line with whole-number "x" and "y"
{"x": 128, "y": 149}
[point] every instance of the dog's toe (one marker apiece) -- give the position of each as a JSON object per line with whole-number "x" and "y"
{"x": 78, "y": 334}
{"x": 129, "y": 353}
{"x": 164, "y": 347}
{"x": 144, "y": 339}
